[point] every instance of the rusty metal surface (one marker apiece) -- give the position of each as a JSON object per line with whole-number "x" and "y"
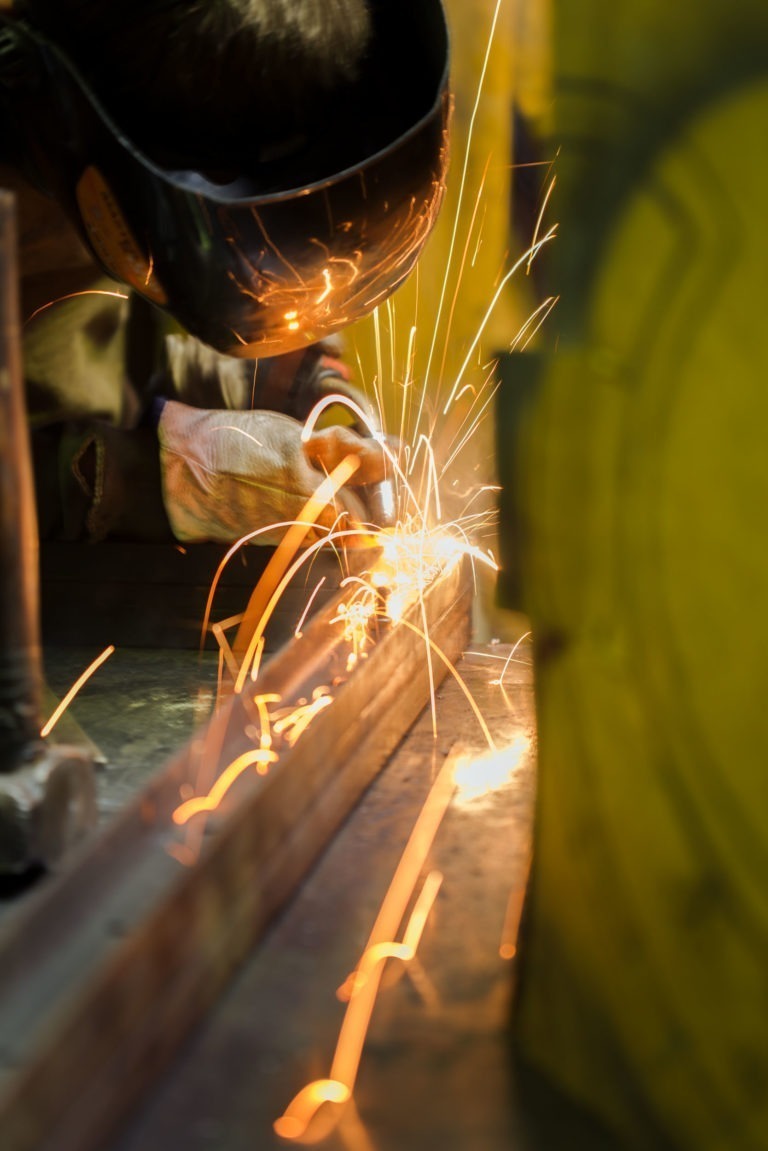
{"x": 435, "y": 1071}
{"x": 104, "y": 972}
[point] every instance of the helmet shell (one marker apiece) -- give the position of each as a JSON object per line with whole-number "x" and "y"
{"x": 248, "y": 267}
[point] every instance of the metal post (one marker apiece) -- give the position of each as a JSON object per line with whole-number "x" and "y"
{"x": 46, "y": 792}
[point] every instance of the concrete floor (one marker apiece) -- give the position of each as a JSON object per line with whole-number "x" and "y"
{"x": 138, "y": 708}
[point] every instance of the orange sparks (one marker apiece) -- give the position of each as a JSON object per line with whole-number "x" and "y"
{"x": 72, "y": 296}
{"x": 297, "y": 632}
{"x": 300, "y": 1111}
{"x": 250, "y": 537}
{"x": 509, "y": 659}
{"x": 328, "y": 286}
{"x": 379, "y": 952}
{"x": 539, "y": 219}
{"x": 49, "y": 725}
{"x": 295, "y": 1121}
{"x": 271, "y": 585}
{"x": 289, "y": 723}
{"x": 526, "y": 257}
{"x": 293, "y": 725}
{"x": 463, "y": 182}
{"x": 451, "y": 668}
{"x": 330, "y": 401}
{"x": 355, "y": 616}
{"x": 260, "y": 757}
{"x": 514, "y": 913}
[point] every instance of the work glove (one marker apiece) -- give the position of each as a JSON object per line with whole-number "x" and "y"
{"x": 228, "y": 473}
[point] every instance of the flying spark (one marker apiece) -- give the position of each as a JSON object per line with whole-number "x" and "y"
{"x": 56, "y": 715}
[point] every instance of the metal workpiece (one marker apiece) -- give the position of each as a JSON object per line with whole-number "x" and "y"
{"x": 109, "y": 965}
{"x": 46, "y": 794}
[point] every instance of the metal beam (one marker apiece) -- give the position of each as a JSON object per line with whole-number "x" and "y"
{"x": 107, "y": 970}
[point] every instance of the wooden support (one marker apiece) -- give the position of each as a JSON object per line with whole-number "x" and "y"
{"x": 109, "y": 968}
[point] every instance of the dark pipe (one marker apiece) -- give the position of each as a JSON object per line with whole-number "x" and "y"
{"x": 20, "y": 654}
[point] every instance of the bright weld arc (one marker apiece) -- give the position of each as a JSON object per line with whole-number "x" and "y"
{"x": 294, "y": 1123}
{"x": 49, "y": 725}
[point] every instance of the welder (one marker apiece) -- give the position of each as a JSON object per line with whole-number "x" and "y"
{"x": 250, "y": 173}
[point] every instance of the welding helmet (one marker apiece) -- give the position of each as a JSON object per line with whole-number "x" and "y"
{"x": 269, "y": 257}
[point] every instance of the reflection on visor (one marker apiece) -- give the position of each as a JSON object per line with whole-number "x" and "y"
{"x": 330, "y": 286}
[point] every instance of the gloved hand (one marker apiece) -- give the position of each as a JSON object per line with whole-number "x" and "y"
{"x": 225, "y": 474}
{"x": 327, "y": 447}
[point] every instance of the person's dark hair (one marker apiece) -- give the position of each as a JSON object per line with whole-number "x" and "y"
{"x": 190, "y": 78}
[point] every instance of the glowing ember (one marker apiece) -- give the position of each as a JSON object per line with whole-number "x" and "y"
{"x": 293, "y": 725}
{"x": 294, "y": 1122}
{"x": 481, "y": 776}
{"x": 379, "y": 952}
{"x": 260, "y": 757}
